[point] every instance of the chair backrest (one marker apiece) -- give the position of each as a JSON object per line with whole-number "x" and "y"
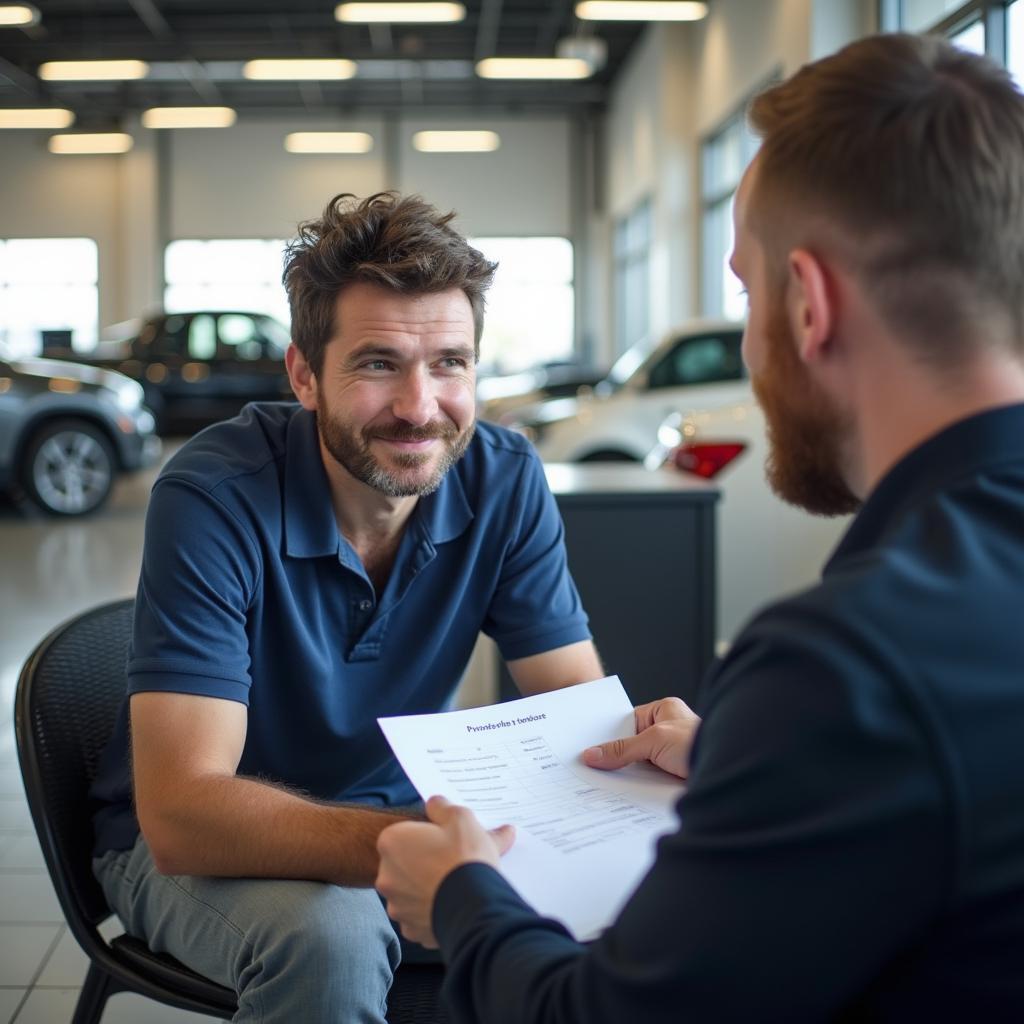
{"x": 69, "y": 694}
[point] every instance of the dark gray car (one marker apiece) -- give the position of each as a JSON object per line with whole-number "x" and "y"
{"x": 67, "y": 430}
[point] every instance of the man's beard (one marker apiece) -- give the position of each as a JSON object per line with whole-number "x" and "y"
{"x": 351, "y": 450}
{"x": 806, "y": 431}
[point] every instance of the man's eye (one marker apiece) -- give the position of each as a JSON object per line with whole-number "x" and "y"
{"x": 453, "y": 363}
{"x": 376, "y": 364}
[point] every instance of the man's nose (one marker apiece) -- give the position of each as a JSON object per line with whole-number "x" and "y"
{"x": 415, "y": 401}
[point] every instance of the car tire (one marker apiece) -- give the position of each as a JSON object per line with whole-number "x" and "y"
{"x": 608, "y": 455}
{"x": 68, "y": 468}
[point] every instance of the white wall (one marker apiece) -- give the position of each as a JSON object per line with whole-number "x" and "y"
{"x": 522, "y": 188}
{"x": 239, "y": 182}
{"x": 46, "y": 195}
{"x": 679, "y": 85}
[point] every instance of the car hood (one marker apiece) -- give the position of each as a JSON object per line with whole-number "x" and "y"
{"x": 128, "y": 393}
{"x": 552, "y": 410}
{"x": 81, "y": 372}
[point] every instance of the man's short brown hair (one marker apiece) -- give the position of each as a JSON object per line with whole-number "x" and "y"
{"x": 906, "y": 156}
{"x": 393, "y": 241}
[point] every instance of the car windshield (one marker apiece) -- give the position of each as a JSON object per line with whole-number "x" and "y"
{"x": 628, "y": 363}
{"x": 277, "y": 334}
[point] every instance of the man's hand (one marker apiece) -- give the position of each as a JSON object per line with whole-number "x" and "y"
{"x": 664, "y": 736}
{"x": 415, "y": 857}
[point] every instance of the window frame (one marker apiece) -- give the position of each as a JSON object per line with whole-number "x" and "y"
{"x": 993, "y": 14}
{"x": 716, "y": 199}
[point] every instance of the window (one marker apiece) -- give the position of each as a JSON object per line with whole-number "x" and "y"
{"x": 992, "y": 27}
{"x": 530, "y": 312}
{"x": 632, "y": 259}
{"x": 703, "y": 360}
{"x": 922, "y": 15}
{"x": 1015, "y": 41}
{"x": 971, "y": 37}
{"x": 48, "y": 293}
{"x": 226, "y": 273}
{"x": 724, "y": 156}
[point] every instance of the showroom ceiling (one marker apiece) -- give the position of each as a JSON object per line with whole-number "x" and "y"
{"x": 196, "y": 50}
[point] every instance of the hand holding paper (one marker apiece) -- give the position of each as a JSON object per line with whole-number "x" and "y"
{"x": 664, "y": 736}
{"x": 416, "y": 857}
{"x": 583, "y": 838}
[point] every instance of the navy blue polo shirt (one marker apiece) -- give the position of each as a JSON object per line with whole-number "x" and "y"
{"x": 248, "y": 592}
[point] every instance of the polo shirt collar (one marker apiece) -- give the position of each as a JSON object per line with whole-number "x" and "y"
{"x": 310, "y": 527}
{"x": 445, "y": 514}
{"x": 980, "y": 443}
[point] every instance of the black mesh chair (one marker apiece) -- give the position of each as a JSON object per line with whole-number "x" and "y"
{"x": 68, "y": 696}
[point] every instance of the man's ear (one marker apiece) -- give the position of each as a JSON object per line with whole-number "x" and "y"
{"x": 301, "y": 377}
{"x": 810, "y": 303}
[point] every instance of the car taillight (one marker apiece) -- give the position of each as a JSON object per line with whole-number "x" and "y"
{"x": 706, "y": 459}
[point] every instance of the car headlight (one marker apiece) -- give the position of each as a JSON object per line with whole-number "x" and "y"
{"x": 128, "y": 394}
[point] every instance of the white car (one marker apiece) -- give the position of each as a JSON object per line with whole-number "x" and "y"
{"x": 699, "y": 365}
{"x": 765, "y": 548}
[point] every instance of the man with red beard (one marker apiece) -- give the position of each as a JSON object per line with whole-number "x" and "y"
{"x": 851, "y": 844}
{"x": 308, "y": 568}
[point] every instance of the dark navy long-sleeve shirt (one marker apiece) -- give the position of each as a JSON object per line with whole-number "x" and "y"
{"x": 851, "y": 844}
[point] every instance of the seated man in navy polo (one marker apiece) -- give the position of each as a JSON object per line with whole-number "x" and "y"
{"x": 308, "y": 568}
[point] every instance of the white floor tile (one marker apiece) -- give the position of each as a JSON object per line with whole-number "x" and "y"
{"x": 10, "y": 782}
{"x": 8, "y": 751}
{"x": 14, "y": 813}
{"x": 55, "y": 1005}
{"x": 66, "y": 966}
{"x": 28, "y": 898}
{"x": 20, "y": 854}
{"x": 129, "y": 1008}
{"x": 24, "y": 948}
{"x": 10, "y": 1000}
{"x": 48, "y": 1006}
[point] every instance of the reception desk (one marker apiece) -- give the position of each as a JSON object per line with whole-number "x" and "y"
{"x": 641, "y": 548}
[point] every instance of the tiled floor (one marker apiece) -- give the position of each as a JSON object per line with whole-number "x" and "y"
{"x": 49, "y": 570}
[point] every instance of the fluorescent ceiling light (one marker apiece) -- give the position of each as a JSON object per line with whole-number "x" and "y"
{"x": 456, "y": 142}
{"x": 98, "y": 142}
{"x": 413, "y": 13}
{"x": 38, "y": 117}
{"x": 93, "y": 70}
{"x": 641, "y": 10}
{"x": 533, "y": 67}
{"x": 18, "y": 15}
{"x": 328, "y": 142}
{"x": 295, "y": 70}
{"x": 188, "y": 117}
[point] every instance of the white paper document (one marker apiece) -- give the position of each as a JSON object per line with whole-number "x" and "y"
{"x": 584, "y": 838}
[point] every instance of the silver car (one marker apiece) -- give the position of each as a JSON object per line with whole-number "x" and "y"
{"x": 67, "y": 430}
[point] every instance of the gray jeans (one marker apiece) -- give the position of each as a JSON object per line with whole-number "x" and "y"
{"x": 294, "y": 951}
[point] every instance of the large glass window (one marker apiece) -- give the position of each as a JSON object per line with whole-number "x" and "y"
{"x": 724, "y": 156}
{"x": 965, "y": 23}
{"x": 531, "y": 305}
{"x": 921, "y": 15}
{"x": 1015, "y": 41}
{"x": 970, "y": 37}
{"x": 632, "y": 259}
{"x": 226, "y": 273}
{"x": 48, "y": 294}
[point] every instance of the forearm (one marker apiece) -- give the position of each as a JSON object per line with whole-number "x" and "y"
{"x": 234, "y": 826}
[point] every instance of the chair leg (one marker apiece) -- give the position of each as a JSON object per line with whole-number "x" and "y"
{"x": 99, "y": 986}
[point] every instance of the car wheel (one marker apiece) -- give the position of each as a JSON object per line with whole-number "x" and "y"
{"x": 68, "y": 468}
{"x": 608, "y": 455}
